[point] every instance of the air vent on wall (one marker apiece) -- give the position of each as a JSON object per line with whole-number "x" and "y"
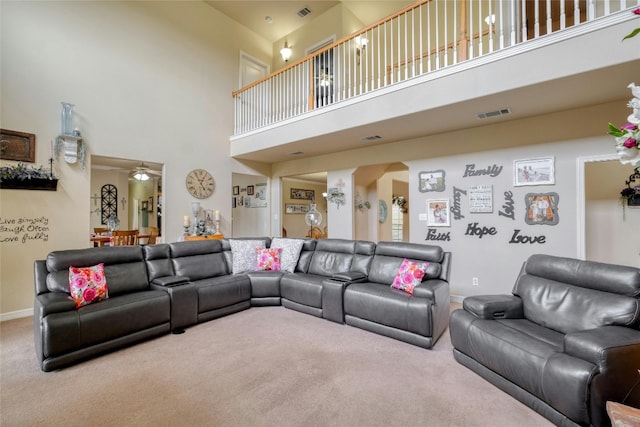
{"x": 304, "y": 12}
{"x": 495, "y": 113}
{"x": 371, "y": 138}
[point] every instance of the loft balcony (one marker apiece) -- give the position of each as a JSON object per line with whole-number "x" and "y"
{"x": 439, "y": 65}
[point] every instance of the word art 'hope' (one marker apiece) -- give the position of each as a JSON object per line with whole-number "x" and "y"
{"x": 474, "y": 230}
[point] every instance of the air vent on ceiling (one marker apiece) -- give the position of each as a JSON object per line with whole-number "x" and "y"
{"x": 296, "y": 153}
{"x": 495, "y": 113}
{"x": 304, "y": 12}
{"x": 371, "y": 138}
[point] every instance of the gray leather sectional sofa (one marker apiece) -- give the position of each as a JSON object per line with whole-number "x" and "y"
{"x": 156, "y": 289}
{"x": 564, "y": 343}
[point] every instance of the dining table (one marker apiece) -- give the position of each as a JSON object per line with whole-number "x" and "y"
{"x": 104, "y": 239}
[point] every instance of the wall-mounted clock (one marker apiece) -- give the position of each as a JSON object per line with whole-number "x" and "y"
{"x": 200, "y": 184}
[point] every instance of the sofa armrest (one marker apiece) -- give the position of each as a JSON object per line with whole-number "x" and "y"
{"x": 494, "y": 306}
{"x": 349, "y": 277}
{"x": 170, "y": 280}
{"x": 605, "y": 345}
{"x": 54, "y": 302}
{"x": 429, "y": 288}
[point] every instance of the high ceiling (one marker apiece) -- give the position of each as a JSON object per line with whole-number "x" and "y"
{"x": 284, "y": 14}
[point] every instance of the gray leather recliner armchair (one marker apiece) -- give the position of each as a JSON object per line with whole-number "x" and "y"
{"x": 564, "y": 343}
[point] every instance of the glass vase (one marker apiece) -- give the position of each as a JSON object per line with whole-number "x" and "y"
{"x": 66, "y": 119}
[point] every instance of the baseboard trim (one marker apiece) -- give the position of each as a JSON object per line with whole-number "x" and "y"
{"x": 456, "y": 298}
{"x": 16, "y": 314}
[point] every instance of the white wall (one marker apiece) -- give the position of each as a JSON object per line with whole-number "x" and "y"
{"x": 152, "y": 76}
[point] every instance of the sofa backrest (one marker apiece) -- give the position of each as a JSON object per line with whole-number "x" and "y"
{"x": 124, "y": 268}
{"x": 336, "y": 256}
{"x": 199, "y": 259}
{"x": 158, "y": 259}
{"x": 570, "y": 295}
{"x": 389, "y": 255}
{"x": 308, "y": 248}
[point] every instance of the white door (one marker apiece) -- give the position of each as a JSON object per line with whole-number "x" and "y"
{"x": 252, "y": 106}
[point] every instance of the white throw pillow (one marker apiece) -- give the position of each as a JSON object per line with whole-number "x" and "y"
{"x": 290, "y": 252}
{"x": 244, "y": 254}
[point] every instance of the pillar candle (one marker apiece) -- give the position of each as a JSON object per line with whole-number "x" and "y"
{"x": 217, "y": 215}
{"x": 186, "y": 221}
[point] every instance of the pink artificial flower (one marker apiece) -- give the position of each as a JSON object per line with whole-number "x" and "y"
{"x": 630, "y": 143}
{"x": 629, "y": 126}
{"x": 636, "y": 11}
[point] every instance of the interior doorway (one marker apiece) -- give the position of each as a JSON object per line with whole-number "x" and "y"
{"x": 130, "y": 190}
{"x": 607, "y": 231}
{"x": 299, "y": 192}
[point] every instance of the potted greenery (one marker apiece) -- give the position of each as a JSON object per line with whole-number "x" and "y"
{"x": 23, "y": 177}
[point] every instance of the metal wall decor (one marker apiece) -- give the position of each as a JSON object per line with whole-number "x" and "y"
{"x": 108, "y": 202}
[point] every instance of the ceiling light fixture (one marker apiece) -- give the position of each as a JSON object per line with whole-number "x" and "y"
{"x": 141, "y": 176}
{"x": 268, "y": 19}
{"x": 285, "y": 52}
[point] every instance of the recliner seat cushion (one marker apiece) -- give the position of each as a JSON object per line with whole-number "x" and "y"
{"x": 302, "y": 288}
{"x": 222, "y": 291}
{"x": 382, "y": 304}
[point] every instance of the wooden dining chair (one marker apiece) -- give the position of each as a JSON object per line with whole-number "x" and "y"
{"x": 153, "y": 235}
{"x": 124, "y": 237}
{"x": 100, "y": 230}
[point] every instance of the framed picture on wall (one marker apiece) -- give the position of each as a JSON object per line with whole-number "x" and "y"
{"x": 438, "y": 213}
{"x": 150, "y": 205}
{"x": 299, "y": 193}
{"x": 542, "y": 208}
{"x": 236, "y": 190}
{"x": 431, "y": 181}
{"x": 538, "y": 171}
{"x": 234, "y": 202}
{"x": 249, "y": 190}
{"x": 296, "y": 208}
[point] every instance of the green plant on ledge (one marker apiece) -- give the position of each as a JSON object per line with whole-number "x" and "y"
{"x": 22, "y": 172}
{"x": 23, "y": 177}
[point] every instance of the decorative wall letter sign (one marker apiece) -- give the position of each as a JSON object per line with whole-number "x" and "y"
{"x": 473, "y": 229}
{"x": 492, "y": 171}
{"x": 517, "y": 238}
{"x": 455, "y": 209}
{"x": 434, "y": 235}
{"x": 509, "y": 210}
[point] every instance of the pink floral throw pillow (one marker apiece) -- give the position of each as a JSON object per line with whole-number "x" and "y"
{"x": 268, "y": 259}
{"x": 409, "y": 275}
{"x": 88, "y": 284}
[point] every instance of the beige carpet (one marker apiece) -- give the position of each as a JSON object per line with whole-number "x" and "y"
{"x": 261, "y": 367}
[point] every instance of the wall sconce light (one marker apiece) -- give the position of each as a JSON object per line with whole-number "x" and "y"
{"x": 361, "y": 205}
{"x": 361, "y": 44}
{"x": 285, "y": 52}
{"x": 490, "y": 19}
{"x": 335, "y": 195}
